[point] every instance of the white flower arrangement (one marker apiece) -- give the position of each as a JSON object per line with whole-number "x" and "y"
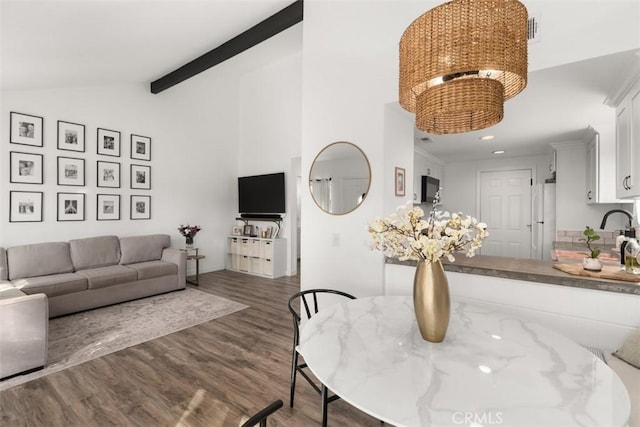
{"x": 407, "y": 236}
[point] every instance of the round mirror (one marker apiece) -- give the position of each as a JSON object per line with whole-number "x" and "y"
{"x": 340, "y": 177}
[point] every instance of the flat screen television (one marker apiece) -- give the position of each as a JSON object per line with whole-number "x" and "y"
{"x": 261, "y": 195}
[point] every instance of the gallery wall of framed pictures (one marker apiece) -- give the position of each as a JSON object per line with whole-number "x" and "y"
{"x": 80, "y": 189}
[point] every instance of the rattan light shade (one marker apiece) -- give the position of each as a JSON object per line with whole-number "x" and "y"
{"x": 481, "y": 46}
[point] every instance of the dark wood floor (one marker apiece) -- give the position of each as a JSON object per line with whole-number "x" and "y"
{"x": 208, "y": 375}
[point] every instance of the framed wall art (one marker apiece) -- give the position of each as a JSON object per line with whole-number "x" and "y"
{"x": 108, "y": 142}
{"x": 140, "y": 207}
{"x": 108, "y": 174}
{"x": 26, "y": 168}
{"x": 70, "y": 207}
{"x": 140, "y": 177}
{"x": 25, "y": 206}
{"x": 70, "y": 171}
{"x": 70, "y": 136}
{"x": 140, "y": 147}
{"x": 26, "y": 129}
{"x": 400, "y": 181}
{"x": 108, "y": 207}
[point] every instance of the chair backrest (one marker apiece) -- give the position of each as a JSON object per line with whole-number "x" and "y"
{"x": 309, "y": 300}
{"x": 261, "y": 417}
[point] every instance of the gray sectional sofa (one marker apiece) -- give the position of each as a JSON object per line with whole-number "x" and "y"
{"x": 45, "y": 280}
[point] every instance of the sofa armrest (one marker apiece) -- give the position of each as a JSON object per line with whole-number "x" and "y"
{"x": 23, "y": 337}
{"x": 178, "y": 257}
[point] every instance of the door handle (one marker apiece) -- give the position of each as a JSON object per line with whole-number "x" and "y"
{"x": 589, "y": 195}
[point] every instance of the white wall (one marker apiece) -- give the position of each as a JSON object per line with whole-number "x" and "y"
{"x": 269, "y": 121}
{"x": 192, "y": 162}
{"x": 398, "y": 152}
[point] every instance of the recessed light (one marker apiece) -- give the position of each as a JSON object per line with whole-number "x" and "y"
{"x": 487, "y": 137}
{"x": 498, "y": 152}
{"x": 485, "y": 369}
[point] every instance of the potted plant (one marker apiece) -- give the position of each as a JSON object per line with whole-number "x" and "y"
{"x": 591, "y": 262}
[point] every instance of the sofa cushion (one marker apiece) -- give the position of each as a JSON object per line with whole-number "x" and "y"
{"x": 94, "y": 252}
{"x": 143, "y": 248}
{"x": 40, "y": 259}
{"x": 102, "y": 277}
{"x": 11, "y": 293}
{"x": 3, "y": 265}
{"x": 151, "y": 269}
{"x": 52, "y": 285}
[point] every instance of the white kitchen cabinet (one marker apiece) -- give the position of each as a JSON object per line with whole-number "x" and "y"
{"x": 592, "y": 190}
{"x": 256, "y": 256}
{"x": 628, "y": 145}
{"x": 601, "y": 164}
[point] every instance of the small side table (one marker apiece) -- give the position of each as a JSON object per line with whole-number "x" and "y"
{"x": 192, "y": 254}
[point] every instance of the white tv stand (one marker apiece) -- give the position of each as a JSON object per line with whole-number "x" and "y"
{"x": 256, "y": 256}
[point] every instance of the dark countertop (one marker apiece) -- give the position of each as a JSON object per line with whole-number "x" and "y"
{"x": 529, "y": 270}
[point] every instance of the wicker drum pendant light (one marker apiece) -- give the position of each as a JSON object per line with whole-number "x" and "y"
{"x": 460, "y": 61}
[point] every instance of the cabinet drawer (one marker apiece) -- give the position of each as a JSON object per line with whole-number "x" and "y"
{"x": 234, "y": 262}
{"x": 245, "y": 247}
{"x": 244, "y": 263}
{"x": 256, "y": 248}
{"x": 267, "y": 267}
{"x": 256, "y": 265}
{"x": 233, "y": 247}
{"x": 267, "y": 249}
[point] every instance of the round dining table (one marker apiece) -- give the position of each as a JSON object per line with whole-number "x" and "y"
{"x": 493, "y": 368}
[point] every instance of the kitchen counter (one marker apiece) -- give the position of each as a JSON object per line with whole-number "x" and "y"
{"x": 529, "y": 270}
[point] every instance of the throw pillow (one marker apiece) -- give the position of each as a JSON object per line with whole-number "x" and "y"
{"x": 630, "y": 350}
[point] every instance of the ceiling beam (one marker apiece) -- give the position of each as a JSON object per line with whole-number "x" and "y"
{"x": 271, "y": 26}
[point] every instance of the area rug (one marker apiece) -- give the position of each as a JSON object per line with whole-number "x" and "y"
{"x": 78, "y": 338}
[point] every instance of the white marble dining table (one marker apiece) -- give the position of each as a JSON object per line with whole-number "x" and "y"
{"x": 492, "y": 368}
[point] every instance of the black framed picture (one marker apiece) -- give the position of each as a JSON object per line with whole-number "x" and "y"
{"x": 70, "y": 207}
{"x": 25, "y": 206}
{"x": 108, "y": 207}
{"x": 140, "y": 177}
{"x": 108, "y": 142}
{"x": 70, "y": 171}
{"x": 108, "y": 174}
{"x": 26, "y": 168}
{"x": 71, "y": 136}
{"x": 26, "y": 129}
{"x": 140, "y": 207}
{"x": 140, "y": 147}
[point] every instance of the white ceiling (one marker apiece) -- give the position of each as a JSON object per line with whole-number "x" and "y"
{"x": 71, "y": 43}
{"x": 558, "y": 105}
{"x": 54, "y": 43}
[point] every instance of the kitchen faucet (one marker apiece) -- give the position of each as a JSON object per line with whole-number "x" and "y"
{"x": 622, "y": 211}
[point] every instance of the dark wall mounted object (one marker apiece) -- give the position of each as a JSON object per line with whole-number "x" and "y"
{"x": 269, "y": 27}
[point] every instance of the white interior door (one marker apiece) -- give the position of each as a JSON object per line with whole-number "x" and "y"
{"x": 505, "y": 206}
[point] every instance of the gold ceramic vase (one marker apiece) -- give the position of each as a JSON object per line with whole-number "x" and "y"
{"x": 431, "y": 300}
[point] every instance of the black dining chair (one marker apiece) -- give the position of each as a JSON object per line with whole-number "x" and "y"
{"x": 309, "y": 301}
{"x": 261, "y": 417}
